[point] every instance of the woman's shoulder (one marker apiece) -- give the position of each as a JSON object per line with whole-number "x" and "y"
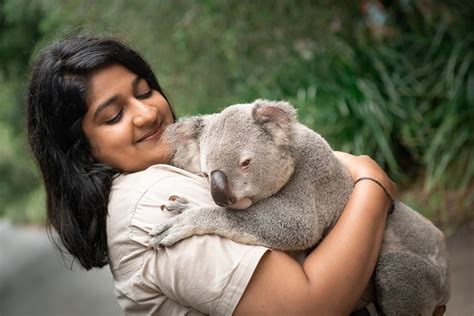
{"x": 148, "y": 177}
{"x": 134, "y": 207}
{"x": 153, "y": 187}
{"x": 136, "y": 200}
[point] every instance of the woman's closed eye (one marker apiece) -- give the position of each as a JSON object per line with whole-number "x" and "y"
{"x": 142, "y": 89}
{"x": 145, "y": 95}
{"x": 115, "y": 119}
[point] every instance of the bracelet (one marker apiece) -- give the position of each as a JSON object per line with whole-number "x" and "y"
{"x": 392, "y": 203}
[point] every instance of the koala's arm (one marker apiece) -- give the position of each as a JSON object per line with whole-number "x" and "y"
{"x": 202, "y": 221}
{"x": 277, "y": 223}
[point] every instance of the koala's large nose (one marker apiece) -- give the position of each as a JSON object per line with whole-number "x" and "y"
{"x": 220, "y": 189}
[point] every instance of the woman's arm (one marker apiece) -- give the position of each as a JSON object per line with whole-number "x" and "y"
{"x": 336, "y": 273}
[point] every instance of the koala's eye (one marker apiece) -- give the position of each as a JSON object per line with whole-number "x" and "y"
{"x": 205, "y": 175}
{"x": 244, "y": 164}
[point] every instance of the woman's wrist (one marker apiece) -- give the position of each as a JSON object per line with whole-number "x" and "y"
{"x": 365, "y": 167}
{"x": 378, "y": 177}
{"x": 372, "y": 196}
{"x": 382, "y": 187}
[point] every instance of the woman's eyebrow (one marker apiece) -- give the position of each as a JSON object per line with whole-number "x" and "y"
{"x": 135, "y": 83}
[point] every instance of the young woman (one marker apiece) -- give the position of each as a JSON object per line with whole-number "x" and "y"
{"x": 95, "y": 117}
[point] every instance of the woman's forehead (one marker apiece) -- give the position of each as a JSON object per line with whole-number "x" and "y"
{"x": 107, "y": 81}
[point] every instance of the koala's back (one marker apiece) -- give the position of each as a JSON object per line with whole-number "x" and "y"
{"x": 318, "y": 189}
{"x": 407, "y": 230}
{"x": 412, "y": 270}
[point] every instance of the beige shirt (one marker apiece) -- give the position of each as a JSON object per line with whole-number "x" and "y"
{"x": 199, "y": 275}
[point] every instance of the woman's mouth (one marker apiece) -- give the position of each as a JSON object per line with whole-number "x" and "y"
{"x": 155, "y": 133}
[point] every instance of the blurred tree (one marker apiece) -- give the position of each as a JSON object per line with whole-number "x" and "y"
{"x": 18, "y": 35}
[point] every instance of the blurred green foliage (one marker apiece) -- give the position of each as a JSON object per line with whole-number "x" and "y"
{"x": 391, "y": 79}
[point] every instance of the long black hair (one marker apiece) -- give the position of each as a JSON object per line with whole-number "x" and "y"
{"x": 77, "y": 186}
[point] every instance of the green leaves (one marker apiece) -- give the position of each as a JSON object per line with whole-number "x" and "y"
{"x": 407, "y": 101}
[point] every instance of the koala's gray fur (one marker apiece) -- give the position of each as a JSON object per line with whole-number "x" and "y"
{"x": 290, "y": 194}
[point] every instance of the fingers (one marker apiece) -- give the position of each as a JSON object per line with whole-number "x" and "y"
{"x": 365, "y": 166}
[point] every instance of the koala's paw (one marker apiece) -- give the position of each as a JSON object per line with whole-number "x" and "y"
{"x": 170, "y": 232}
{"x": 177, "y": 205}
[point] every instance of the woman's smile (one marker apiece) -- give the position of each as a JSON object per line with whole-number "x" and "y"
{"x": 154, "y": 133}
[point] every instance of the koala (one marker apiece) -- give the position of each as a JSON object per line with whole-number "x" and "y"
{"x": 278, "y": 184}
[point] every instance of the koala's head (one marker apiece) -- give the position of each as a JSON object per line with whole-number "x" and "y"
{"x": 246, "y": 152}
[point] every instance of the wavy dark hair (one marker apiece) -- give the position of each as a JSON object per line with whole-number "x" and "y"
{"x": 77, "y": 186}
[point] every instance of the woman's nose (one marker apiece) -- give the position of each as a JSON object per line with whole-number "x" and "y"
{"x": 143, "y": 113}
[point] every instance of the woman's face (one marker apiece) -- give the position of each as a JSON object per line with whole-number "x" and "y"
{"x": 125, "y": 120}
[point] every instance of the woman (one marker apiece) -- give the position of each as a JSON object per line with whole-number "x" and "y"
{"x": 95, "y": 117}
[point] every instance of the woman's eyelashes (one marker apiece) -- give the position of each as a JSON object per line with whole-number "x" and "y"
{"x": 142, "y": 89}
{"x": 145, "y": 95}
{"x": 115, "y": 119}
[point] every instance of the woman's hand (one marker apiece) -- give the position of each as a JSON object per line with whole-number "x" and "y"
{"x": 364, "y": 166}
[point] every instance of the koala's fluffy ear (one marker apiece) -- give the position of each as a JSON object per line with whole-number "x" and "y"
{"x": 183, "y": 137}
{"x": 279, "y": 112}
{"x": 277, "y": 117}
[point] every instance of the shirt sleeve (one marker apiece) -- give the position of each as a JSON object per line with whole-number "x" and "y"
{"x": 206, "y": 273}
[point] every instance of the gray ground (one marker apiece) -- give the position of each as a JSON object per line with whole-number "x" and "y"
{"x": 34, "y": 281}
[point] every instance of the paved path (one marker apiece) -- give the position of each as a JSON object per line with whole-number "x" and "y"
{"x": 34, "y": 281}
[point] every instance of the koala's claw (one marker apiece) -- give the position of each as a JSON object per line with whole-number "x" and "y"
{"x": 157, "y": 233}
{"x": 169, "y": 240}
{"x": 177, "y": 205}
{"x": 178, "y": 199}
{"x": 170, "y": 232}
